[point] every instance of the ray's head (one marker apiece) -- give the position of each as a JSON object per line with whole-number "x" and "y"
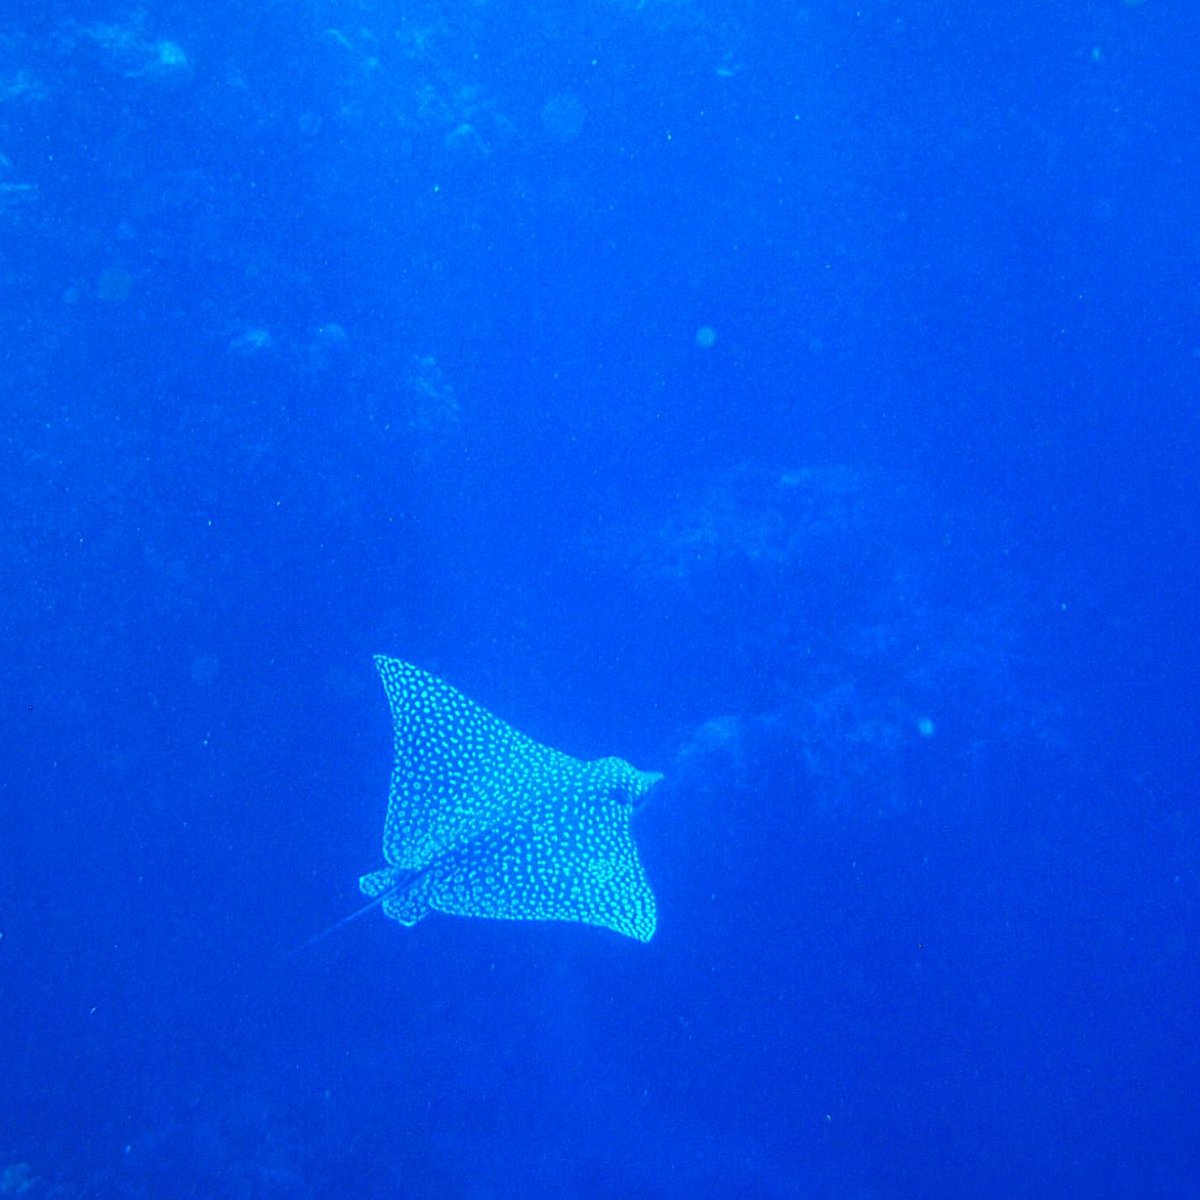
{"x": 624, "y": 782}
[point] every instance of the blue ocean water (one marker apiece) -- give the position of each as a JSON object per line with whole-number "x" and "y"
{"x": 797, "y": 400}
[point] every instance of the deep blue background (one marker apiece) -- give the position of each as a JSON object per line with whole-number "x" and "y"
{"x": 338, "y": 328}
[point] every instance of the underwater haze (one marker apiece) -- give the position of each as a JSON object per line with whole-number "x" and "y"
{"x": 798, "y": 400}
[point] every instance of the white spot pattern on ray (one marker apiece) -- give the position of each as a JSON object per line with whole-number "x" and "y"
{"x": 483, "y": 821}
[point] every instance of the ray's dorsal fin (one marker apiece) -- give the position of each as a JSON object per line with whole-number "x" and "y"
{"x": 396, "y": 883}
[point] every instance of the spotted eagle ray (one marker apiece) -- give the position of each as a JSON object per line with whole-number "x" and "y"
{"x": 483, "y": 821}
